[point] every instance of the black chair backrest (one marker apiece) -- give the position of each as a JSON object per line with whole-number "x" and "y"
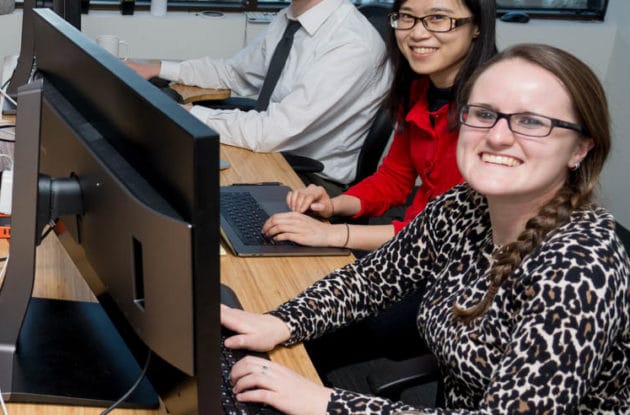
{"x": 624, "y": 235}
{"x": 382, "y": 126}
{"x": 377, "y": 14}
{"x": 374, "y": 145}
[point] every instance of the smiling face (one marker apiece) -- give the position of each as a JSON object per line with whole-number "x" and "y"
{"x": 501, "y": 164}
{"x": 438, "y": 55}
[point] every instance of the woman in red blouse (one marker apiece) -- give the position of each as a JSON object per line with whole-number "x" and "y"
{"x": 434, "y": 46}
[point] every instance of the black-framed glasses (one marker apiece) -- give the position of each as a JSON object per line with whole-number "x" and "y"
{"x": 433, "y": 22}
{"x": 524, "y": 123}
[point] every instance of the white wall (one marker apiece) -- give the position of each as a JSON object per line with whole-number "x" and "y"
{"x": 180, "y": 35}
{"x": 590, "y": 41}
{"x": 615, "y": 183}
{"x": 605, "y": 46}
{"x": 10, "y": 32}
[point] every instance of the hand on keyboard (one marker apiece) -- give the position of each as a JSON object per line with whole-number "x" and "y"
{"x": 229, "y": 357}
{"x": 231, "y": 405}
{"x": 259, "y": 380}
{"x": 252, "y": 378}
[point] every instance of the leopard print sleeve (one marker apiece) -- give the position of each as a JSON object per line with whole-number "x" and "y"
{"x": 350, "y": 293}
{"x": 375, "y": 281}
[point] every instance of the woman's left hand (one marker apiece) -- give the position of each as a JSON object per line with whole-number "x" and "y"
{"x": 255, "y": 379}
{"x": 301, "y": 229}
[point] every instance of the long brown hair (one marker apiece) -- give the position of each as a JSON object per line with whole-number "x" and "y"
{"x": 590, "y": 106}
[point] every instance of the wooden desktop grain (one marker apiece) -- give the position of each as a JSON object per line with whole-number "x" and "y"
{"x": 191, "y": 94}
{"x": 260, "y": 283}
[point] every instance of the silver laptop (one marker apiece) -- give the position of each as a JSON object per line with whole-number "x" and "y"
{"x": 245, "y": 208}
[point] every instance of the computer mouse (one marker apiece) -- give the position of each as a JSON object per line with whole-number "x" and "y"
{"x": 515, "y": 17}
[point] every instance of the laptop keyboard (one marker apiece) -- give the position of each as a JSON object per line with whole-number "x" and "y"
{"x": 246, "y": 217}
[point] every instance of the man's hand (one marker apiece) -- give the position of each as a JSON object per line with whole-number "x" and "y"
{"x": 145, "y": 70}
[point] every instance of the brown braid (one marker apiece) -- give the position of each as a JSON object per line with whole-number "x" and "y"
{"x": 591, "y": 109}
{"x": 553, "y": 215}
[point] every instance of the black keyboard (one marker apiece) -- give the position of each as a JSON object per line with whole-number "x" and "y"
{"x": 246, "y": 217}
{"x": 230, "y": 356}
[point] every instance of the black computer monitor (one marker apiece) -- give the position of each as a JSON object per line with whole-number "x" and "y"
{"x": 135, "y": 180}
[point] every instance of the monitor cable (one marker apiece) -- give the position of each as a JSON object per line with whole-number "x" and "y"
{"x": 132, "y": 388}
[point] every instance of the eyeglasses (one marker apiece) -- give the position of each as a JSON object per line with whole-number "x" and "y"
{"x": 524, "y": 123}
{"x": 438, "y": 23}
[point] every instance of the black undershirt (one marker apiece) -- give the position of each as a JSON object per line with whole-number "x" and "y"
{"x": 438, "y": 97}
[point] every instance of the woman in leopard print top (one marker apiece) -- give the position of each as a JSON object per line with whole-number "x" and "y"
{"x": 527, "y": 298}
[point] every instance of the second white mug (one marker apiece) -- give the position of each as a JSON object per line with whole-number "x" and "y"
{"x": 158, "y": 7}
{"x": 114, "y": 45}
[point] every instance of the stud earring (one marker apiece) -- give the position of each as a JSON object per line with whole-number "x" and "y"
{"x": 576, "y": 166}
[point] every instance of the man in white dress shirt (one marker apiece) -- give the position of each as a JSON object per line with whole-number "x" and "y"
{"x": 332, "y": 83}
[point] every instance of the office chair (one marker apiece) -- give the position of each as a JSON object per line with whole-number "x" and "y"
{"x": 624, "y": 235}
{"x": 374, "y": 144}
{"x": 381, "y": 356}
{"x": 400, "y": 380}
{"x": 383, "y": 123}
{"x": 377, "y": 14}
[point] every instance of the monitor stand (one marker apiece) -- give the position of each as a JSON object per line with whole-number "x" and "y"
{"x": 53, "y": 351}
{"x": 70, "y": 353}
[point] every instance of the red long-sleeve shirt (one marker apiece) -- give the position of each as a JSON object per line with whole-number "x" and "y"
{"x": 425, "y": 149}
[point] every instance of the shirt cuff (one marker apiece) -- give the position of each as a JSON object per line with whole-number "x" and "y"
{"x": 202, "y": 113}
{"x": 169, "y": 70}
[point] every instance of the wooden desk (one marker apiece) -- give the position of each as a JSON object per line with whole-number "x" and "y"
{"x": 260, "y": 283}
{"x": 192, "y": 94}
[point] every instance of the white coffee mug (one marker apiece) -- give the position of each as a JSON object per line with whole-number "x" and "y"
{"x": 114, "y": 45}
{"x": 158, "y": 7}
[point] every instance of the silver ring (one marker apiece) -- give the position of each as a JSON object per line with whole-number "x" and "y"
{"x": 264, "y": 370}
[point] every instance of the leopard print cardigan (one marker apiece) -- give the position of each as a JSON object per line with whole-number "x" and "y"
{"x": 556, "y": 339}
